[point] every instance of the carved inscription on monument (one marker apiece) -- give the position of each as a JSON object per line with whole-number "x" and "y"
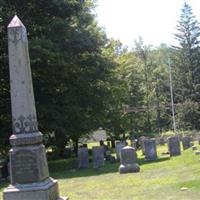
{"x": 24, "y": 167}
{"x": 128, "y": 157}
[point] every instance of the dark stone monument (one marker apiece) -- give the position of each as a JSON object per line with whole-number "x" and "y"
{"x": 108, "y": 144}
{"x": 186, "y": 142}
{"x": 150, "y": 149}
{"x": 174, "y": 146}
{"x": 112, "y": 143}
{"x": 98, "y": 157}
{"x": 128, "y": 161}
{"x": 29, "y": 175}
{"x": 83, "y": 158}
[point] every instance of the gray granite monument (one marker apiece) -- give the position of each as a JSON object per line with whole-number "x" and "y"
{"x": 174, "y": 146}
{"x": 141, "y": 143}
{"x": 118, "y": 148}
{"x": 150, "y": 149}
{"x": 83, "y": 158}
{"x": 128, "y": 161}
{"x": 186, "y": 142}
{"x": 29, "y": 175}
{"x": 98, "y": 157}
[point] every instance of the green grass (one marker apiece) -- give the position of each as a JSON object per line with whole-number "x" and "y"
{"x": 162, "y": 179}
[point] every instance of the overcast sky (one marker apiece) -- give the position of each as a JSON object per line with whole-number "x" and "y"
{"x": 153, "y": 20}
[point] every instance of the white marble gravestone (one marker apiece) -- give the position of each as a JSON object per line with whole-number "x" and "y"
{"x": 29, "y": 175}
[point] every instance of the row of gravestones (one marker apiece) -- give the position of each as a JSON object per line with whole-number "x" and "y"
{"x": 100, "y": 152}
{"x": 174, "y": 149}
{"x": 127, "y": 155}
{"x": 97, "y": 154}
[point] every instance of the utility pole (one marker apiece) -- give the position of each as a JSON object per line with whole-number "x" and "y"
{"x": 171, "y": 92}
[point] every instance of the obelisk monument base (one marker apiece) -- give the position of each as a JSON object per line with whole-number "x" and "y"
{"x": 29, "y": 175}
{"x": 46, "y": 190}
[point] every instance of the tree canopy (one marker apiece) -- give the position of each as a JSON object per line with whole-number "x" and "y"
{"x": 83, "y": 80}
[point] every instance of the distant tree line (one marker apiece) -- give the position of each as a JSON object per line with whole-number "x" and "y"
{"x": 83, "y": 80}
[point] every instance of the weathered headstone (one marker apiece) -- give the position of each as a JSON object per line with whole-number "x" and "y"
{"x": 186, "y": 142}
{"x": 118, "y": 148}
{"x": 197, "y": 153}
{"x": 174, "y": 146}
{"x": 134, "y": 144}
{"x": 194, "y": 147}
{"x": 83, "y": 158}
{"x": 98, "y": 157}
{"x": 128, "y": 160}
{"x": 105, "y": 147}
{"x": 29, "y": 173}
{"x": 150, "y": 149}
{"x": 141, "y": 143}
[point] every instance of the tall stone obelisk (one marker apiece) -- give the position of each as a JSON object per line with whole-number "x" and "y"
{"x": 29, "y": 173}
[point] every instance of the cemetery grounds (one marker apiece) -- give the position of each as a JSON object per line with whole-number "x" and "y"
{"x": 175, "y": 178}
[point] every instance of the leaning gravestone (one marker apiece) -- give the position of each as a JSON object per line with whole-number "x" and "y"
{"x": 186, "y": 142}
{"x": 83, "y": 158}
{"x": 98, "y": 157}
{"x": 128, "y": 161}
{"x": 118, "y": 147}
{"x": 29, "y": 173}
{"x": 174, "y": 146}
{"x": 150, "y": 149}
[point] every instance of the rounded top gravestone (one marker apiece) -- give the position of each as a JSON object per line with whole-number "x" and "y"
{"x": 128, "y": 161}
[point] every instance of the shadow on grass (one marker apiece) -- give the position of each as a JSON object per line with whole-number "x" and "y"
{"x": 142, "y": 161}
{"x": 61, "y": 169}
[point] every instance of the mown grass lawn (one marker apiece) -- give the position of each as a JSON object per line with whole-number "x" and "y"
{"x": 160, "y": 180}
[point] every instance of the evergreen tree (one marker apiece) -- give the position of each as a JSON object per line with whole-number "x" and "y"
{"x": 187, "y": 63}
{"x": 188, "y": 32}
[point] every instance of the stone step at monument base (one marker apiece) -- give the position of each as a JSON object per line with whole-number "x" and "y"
{"x": 46, "y": 190}
{"x": 129, "y": 168}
